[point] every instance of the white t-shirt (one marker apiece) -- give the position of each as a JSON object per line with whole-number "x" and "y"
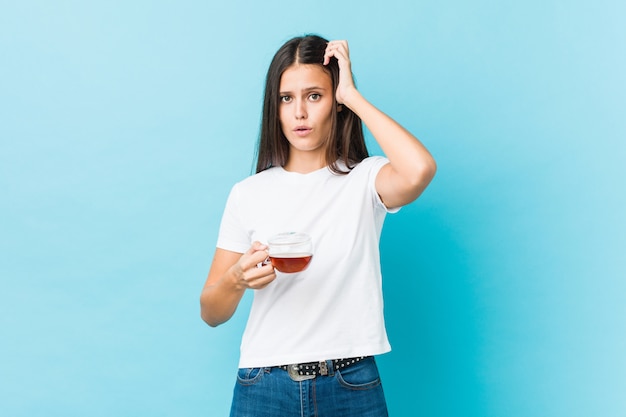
{"x": 334, "y": 308}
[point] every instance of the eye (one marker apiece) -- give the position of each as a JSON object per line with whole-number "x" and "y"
{"x": 314, "y": 97}
{"x": 285, "y": 99}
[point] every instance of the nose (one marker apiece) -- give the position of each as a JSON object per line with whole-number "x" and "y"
{"x": 300, "y": 109}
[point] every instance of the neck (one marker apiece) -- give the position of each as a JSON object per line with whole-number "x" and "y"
{"x": 303, "y": 164}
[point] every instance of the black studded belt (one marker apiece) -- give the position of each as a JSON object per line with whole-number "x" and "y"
{"x": 304, "y": 371}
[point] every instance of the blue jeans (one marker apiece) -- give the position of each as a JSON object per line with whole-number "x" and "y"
{"x": 355, "y": 391}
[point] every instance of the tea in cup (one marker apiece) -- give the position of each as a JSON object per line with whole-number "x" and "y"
{"x": 290, "y": 251}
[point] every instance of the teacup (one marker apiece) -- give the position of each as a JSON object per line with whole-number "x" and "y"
{"x": 290, "y": 251}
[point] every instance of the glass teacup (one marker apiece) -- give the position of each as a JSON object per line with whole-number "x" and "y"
{"x": 290, "y": 251}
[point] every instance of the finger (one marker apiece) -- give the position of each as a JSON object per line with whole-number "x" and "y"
{"x": 262, "y": 283}
{"x": 338, "y": 42}
{"x": 332, "y": 53}
{"x": 256, "y": 246}
{"x": 256, "y": 259}
{"x": 338, "y": 49}
{"x": 327, "y": 56}
{"x": 329, "y": 51}
{"x": 258, "y": 278}
{"x": 337, "y": 45}
{"x": 253, "y": 257}
{"x": 266, "y": 261}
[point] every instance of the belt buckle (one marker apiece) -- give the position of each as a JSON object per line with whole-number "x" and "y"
{"x": 292, "y": 370}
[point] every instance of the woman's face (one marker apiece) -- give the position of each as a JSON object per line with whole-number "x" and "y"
{"x": 306, "y": 106}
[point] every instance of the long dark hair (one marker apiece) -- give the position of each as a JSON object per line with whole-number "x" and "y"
{"x": 346, "y": 142}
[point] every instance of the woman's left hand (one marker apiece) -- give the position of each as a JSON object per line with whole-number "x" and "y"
{"x": 339, "y": 50}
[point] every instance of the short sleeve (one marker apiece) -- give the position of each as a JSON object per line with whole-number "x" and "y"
{"x": 374, "y": 165}
{"x": 232, "y": 235}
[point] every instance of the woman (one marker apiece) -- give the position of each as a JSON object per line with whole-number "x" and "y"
{"x": 311, "y": 337}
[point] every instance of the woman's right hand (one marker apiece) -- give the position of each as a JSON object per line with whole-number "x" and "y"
{"x": 251, "y": 270}
{"x": 231, "y": 274}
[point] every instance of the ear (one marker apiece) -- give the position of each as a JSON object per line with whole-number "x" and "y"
{"x": 339, "y": 108}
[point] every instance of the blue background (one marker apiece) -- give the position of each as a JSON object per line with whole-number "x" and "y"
{"x": 123, "y": 125}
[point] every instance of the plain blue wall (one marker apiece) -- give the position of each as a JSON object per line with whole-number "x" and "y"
{"x": 123, "y": 125}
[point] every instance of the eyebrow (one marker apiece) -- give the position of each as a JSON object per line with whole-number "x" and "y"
{"x": 306, "y": 90}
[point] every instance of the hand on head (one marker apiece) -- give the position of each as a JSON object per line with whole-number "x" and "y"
{"x": 339, "y": 49}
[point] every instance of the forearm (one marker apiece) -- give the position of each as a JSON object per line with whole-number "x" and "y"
{"x": 407, "y": 155}
{"x": 230, "y": 275}
{"x": 219, "y": 301}
{"x": 411, "y": 167}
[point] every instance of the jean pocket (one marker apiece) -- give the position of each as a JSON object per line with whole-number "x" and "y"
{"x": 249, "y": 376}
{"x": 360, "y": 376}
